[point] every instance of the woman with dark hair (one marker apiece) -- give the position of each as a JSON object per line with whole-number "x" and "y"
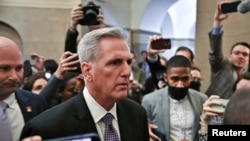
{"x": 35, "y": 83}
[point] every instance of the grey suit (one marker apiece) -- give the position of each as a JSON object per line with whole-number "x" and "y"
{"x": 222, "y": 79}
{"x": 158, "y": 110}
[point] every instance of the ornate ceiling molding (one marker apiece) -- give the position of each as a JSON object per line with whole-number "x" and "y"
{"x": 41, "y": 3}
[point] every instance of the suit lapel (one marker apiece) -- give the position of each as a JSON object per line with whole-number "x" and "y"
{"x": 84, "y": 122}
{"x": 25, "y": 105}
{"x": 124, "y": 123}
{"x": 165, "y": 110}
{"x": 193, "y": 101}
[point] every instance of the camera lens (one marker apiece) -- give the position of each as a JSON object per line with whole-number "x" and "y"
{"x": 91, "y": 16}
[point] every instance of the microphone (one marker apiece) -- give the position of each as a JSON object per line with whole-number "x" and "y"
{"x": 244, "y": 7}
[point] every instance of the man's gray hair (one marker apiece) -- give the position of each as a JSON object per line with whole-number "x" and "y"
{"x": 88, "y": 46}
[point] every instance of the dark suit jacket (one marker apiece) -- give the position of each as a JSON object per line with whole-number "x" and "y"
{"x": 222, "y": 79}
{"x": 73, "y": 117}
{"x": 30, "y": 104}
{"x": 50, "y": 90}
{"x": 156, "y": 69}
{"x": 71, "y": 41}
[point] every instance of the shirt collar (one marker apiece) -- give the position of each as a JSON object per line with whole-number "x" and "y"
{"x": 11, "y": 100}
{"x": 96, "y": 110}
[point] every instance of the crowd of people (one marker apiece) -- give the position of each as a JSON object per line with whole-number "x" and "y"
{"x": 98, "y": 87}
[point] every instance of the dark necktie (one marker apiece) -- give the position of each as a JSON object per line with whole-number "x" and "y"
{"x": 110, "y": 134}
{"x": 5, "y": 126}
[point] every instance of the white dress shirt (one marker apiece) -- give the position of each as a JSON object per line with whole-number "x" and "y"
{"x": 98, "y": 112}
{"x": 181, "y": 119}
{"x": 15, "y": 115}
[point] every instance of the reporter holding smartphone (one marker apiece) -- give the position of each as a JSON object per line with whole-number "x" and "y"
{"x": 224, "y": 70}
{"x": 156, "y": 64}
{"x": 210, "y": 116}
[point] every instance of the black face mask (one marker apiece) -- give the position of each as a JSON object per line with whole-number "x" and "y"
{"x": 195, "y": 85}
{"x": 178, "y": 93}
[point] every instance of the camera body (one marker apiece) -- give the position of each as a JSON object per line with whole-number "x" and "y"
{"x": 90, "y": 14}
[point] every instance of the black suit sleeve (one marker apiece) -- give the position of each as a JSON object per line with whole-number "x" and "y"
{"x": 71, "y": 41}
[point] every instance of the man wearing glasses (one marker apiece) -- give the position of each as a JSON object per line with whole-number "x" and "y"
{"x": 225, "y": 70}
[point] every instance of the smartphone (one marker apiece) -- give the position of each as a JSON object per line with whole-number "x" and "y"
{"x": 230, "y": 7}
{"x": 160, "y": 134}
{"x": 82, "y": 137}
{"x": 223, "y": 105}
{"x": 75, "y": 58}
{"x": 29, "y": 58}
{"x": 161, "y": 44}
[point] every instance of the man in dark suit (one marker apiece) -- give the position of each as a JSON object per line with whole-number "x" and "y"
{"x": 106, "y": 66}
{"x": 22, "y": 105}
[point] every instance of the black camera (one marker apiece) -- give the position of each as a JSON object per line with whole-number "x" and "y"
{"x": 90, "y": 14}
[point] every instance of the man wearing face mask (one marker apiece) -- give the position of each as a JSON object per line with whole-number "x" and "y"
{"x": 154, "y": 61}
{"x": 175, "y": 109}
{"x": 195, "y": 78}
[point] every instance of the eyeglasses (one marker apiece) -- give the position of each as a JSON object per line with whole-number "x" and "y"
{"x": 245, "y": 54}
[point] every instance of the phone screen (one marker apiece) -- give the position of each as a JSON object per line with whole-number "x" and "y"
{"x": 230, "y": 7}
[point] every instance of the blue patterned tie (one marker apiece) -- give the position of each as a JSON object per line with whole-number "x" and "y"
{"x": 5, "y": 126}
{"x": 110, "y": 134}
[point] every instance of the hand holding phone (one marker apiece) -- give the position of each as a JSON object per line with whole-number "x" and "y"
{"x": 159, "y": 133}
{"x": 73, "y": 57}
{"x": 73, "y": 62}
{"x": 223, "y": 105}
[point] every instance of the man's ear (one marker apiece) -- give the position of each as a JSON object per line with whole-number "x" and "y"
{"x": 86, "y": 70}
